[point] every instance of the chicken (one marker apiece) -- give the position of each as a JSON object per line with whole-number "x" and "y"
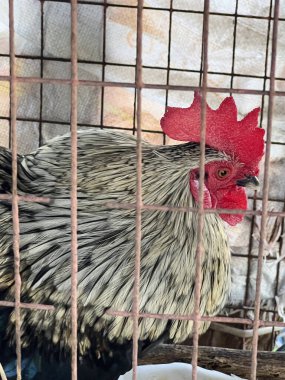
{"x": 107, "y": 173}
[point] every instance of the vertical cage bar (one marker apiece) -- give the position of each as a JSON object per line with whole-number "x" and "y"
{"x": 200, "y": 248}
{"x": 234, "y": 46}
{"x": 253, "y": 219}
{"x": 266, "y": 60}
{"x": 168, "y": 59}
{"x": 136, "y": 291}
{"x": 74, "y": 259}
{"x": 42, "y": 75}
{"x": 134, "y": 113}
{"x": 104, "y": 62}
{"x": 265, "y": 194}
{"x": 15, "y": 205}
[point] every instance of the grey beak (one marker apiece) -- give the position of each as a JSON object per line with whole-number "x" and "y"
{"x": 249, "y": 181}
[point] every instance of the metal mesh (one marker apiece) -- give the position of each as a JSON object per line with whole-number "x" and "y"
{"x": 137, "y": 78}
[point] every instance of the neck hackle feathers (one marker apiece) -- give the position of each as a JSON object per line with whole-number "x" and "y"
{"x": 242, "y": 139}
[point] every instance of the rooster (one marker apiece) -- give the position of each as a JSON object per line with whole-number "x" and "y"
{"x": 107, "y": 173}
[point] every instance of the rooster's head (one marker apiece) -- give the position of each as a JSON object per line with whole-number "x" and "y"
{"x": 240, "y": 143}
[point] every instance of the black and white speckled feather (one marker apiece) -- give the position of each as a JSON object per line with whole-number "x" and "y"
{"x": 107, "y": 172}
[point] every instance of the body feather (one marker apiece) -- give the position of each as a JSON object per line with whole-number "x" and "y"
{"x": 107, "y": 173}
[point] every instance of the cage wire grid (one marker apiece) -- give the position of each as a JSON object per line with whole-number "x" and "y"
{"x": 74, "y": 82}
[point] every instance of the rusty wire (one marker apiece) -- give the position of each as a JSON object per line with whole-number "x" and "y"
{"x": 253, "y": 220}
{"x": 191, "y": 317}
{"x": 74, "y": 82}
{"x": 15, "y": 206}
{"x": 138, "y": 233}
{"x": 155, "y": 207}
{"x": 25, "y": 198}
{"x": 23, "y": 305}
{"x": 200, "y": 224}
{"x": 95, "y": 83}
{"x": 265, "y": 194}
{"x": 73, "y": 193}
{"x": 130, "y": 6}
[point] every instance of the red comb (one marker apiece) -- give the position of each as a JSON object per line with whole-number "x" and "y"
{"x": 240, "y": 139}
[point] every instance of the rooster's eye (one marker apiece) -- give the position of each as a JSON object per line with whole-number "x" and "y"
{"x": 223, "y": 173}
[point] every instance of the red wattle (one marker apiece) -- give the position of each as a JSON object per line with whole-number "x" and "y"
{"x": 232, "y": 198}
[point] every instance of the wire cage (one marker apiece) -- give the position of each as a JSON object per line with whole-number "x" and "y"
{"x": 126, "y": 62}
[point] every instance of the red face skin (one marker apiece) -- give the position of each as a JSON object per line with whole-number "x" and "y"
{"x": 221, "y": 190}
